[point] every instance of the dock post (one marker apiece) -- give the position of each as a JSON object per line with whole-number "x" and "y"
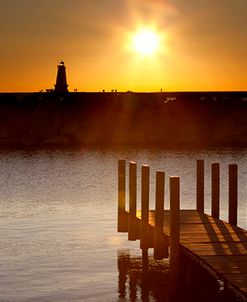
{"x": 215, "y": 190}
{"x": 233, "y": 194}
{"x": 145, "y": 177}
{"x": 160, "y": 245}
{"x": 175, "y": 223}
{"x": 200, "y": 186}
{"x": 122, "y": 214}
{"x": 132, "y": 226}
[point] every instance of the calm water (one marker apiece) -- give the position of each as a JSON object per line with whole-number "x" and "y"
{"x": 58, "y": 239}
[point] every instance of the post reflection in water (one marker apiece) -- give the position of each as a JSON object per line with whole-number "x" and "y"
{"x": 142, "y": 279}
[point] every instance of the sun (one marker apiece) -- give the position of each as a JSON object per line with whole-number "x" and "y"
{"x": 146, "y": 42}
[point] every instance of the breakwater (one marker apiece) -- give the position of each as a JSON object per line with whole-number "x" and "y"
{"x": 166, "y": 119}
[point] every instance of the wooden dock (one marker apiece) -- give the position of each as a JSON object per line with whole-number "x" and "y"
{"x": 218, "y": 247}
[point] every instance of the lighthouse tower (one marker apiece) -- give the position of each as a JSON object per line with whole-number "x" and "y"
{"x": 61, "y": 82}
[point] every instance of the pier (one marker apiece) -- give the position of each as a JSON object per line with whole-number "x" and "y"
{"x": 194, "y": 242}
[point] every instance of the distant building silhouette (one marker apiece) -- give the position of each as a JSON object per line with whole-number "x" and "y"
{"x": 61, "y": 82}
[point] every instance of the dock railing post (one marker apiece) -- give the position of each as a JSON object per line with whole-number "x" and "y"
{"x": 122, "y": 215}
{"x": 200, "y": 186}
{"x": 145, "y": 178}
{"x": 233, "y": 194}
{"x": 175, "y": 223}
{"x": 133, "y": 227}
{"x": 160, "y": 248}
{"x": 215, "y": 190}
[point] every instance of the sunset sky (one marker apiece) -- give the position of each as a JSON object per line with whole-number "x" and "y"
{"x": 202, "y": 44}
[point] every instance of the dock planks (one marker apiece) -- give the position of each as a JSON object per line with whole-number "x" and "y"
{"x": 219, "y": 246}
{"x": 215, "y": 245}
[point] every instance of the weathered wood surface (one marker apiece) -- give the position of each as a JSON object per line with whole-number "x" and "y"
{"x": 220, "y": 246}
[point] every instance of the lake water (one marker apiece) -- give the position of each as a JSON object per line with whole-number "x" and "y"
{"x": 58, "y": 239}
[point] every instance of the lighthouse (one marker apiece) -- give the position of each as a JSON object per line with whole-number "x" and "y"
{"x": 61, "y": 82}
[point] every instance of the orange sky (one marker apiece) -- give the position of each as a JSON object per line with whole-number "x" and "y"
{"x": 205, "y": 46}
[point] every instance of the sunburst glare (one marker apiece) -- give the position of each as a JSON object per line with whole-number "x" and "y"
{"x": 146, "y": 41}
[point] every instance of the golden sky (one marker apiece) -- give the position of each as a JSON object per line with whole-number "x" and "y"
{"x": 203, "y": 44}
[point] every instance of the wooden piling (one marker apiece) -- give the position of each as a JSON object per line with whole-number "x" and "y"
{"x": 215, "y": 190}
{"x": 133, "y": 232}
{"x": 145, "y": 177}
{"x": 208, "y": 243}
{"x": 122, "y": 215}
{"x": 233, "y": 194}
{"x": 200, "y": 186}
{"x": 160, "y": 250}
{"x": 175, "y": 223}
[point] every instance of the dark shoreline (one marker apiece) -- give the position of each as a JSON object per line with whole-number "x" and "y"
{"x": 182, "y": 120}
